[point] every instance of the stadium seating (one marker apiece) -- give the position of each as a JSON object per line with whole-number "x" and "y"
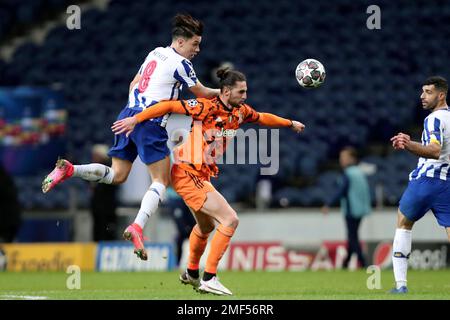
{"x": 16, "y": 15}
{"x": 370, "y": 93}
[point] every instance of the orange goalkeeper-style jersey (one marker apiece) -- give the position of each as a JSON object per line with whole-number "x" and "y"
{"x": 214, "y": 124}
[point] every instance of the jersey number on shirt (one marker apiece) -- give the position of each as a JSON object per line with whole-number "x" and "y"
{"x": 145, "y": 79}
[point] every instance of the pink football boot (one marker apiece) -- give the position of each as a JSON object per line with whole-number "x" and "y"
{"x": 133, "y": 233}
{"x": 62, "y": 171}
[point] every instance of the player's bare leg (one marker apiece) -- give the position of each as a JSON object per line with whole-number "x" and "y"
{"x": 121, "y": 169}
{"x": 401, "y": 250}
{"x": 403, "y": 222}
{"x": 159, "y": 173}
{"x": 448, "y": 232}
{"x": 205, "y": 223}
{"x": 217, "y": 208}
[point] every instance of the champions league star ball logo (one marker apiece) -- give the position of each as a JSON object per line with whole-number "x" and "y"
{"x": 192, "y": 103}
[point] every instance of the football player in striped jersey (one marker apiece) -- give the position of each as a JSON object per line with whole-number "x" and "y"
{"x": 429, "y": 183}
{"x": 162, "y": 75}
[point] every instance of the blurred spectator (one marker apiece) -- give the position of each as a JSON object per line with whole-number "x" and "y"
{"x": 182, "y": 217}
{"x": 263, "y": 193}
{"x": 10, "y": 211}
{"x": 103, "y": 201}
{"x": 354, "y": 195}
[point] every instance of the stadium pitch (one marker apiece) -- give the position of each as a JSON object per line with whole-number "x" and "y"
{"x": 308, "y": 285}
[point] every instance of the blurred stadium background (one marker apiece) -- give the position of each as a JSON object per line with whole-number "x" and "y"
{"x": 61, "y": 89}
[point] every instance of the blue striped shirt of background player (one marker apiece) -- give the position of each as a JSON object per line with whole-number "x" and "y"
{"x": 436, "y": 130}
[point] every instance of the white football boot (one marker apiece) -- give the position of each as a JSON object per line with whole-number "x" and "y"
{"x": 214, "y": 286}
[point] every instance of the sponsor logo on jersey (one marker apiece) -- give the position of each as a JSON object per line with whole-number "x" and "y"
{"x": 226, "y": 133}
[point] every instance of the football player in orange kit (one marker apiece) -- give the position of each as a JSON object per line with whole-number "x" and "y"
{"x": 219, "y": 118}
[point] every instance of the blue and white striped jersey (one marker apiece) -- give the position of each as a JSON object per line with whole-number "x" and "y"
{"x": 436, "y": 130}
{"x": 163, "y": 74}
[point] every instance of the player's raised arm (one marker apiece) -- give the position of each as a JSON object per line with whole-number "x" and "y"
{"x": 127, "y": 125}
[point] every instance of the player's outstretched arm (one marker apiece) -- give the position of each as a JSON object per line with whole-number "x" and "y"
{"x": 127, "y": 125}
{"x": 271, "y": 120}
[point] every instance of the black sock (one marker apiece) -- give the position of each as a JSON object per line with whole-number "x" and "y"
{"x": 208, "y": 276}
{"x": 193, "y": 273}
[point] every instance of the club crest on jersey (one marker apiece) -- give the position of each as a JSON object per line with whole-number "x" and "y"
{"x": 192, "y": 74}
{"x": 192, "y": 103}
{"x": 241, "y": 117}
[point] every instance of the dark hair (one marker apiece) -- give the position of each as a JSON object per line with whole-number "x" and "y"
{"x": 351, "y": 151}
{"x": 440, "y": 83}
{"x": 183, "y": 25}
{"x": 228, "y": 77}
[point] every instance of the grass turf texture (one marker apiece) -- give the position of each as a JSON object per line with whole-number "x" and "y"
{"x": 321, "y": 285}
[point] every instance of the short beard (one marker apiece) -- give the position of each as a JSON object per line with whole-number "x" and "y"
{"x": 432, "y": 105}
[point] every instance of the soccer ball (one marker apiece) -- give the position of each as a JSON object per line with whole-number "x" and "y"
{"x": 310, "y": 73}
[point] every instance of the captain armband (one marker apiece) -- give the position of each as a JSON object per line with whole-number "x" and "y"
{"x": 433, "y": 139}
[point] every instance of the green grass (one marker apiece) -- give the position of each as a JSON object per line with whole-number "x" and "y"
{"x": 245, "y": 285}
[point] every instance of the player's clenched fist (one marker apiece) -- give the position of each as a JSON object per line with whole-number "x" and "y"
{"x": 400, "y": 141}
{"x": 297, "y": 126}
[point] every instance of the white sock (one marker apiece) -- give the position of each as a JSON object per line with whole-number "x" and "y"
{"x": 94, "y": 172}
{"x": 401, "y": 250}
{"x": 150, "y": 203}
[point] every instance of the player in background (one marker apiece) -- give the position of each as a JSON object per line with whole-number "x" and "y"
{"x": 161, "y": 77}
{"x": 218, "y": 118}
{"x": 429, "y": 183}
